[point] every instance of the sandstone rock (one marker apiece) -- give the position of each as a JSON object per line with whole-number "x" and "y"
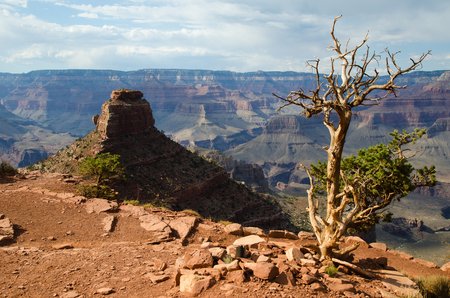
{"x": 282, "y": 234}
{"x": 286, "y": 278}
{"x": 306, "y": 235}
{"x": 337, "y": 287}
{"x": 159, "y": 265}
{"x": 217, "y": 252}
{"x": 183, "y": 226}
{"x": 308, "y": 279}
{"x": 379, "y": 245}
{"x": 100, "y": 205}
{"x": 294, "y": 254}
{"x": 104, "y": 291}
{"x": 71, "y": 294}
{"x": 317, "y": 287}
{"x": 109, "y": 223}
{"x": 262, "y": 259}
{"x": 266, "y": 271}
{"x": 234, "y": 265}
{"x": 250, "y": 240}
{"x": 135, "y": 211}
{"x": 253, "y": 231}
{"x": 446, "y": 267}
{"x": 156, "y": 278}
{"x": 201, "y": 258}
{"x": 6, "y": 229}
{"x": 234, "y": 229}
{"x": 236, "y": 277}
{"x": 193, "y": 284}
{"x": 425, "y": 263}
{"x": 63, "y": 246}
{"x": 308, "y": 262}
{"x": 154, "y": 223}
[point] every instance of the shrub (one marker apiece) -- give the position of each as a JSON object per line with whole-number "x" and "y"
{"x": 191, "y": 212}
{"x": 331, "y": 270}
{"x": 132, "y": 202}
{"x": 434, "y": 286}
{"x": 6, "y": 169}
{"x": 97, "y": 191}
{"x": 227, "y": 259}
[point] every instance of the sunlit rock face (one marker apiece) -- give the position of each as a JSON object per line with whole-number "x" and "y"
{"x": 125, "y": 113}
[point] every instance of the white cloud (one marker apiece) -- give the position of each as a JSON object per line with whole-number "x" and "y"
{"x": 88, "y": 15}
{"x": 233, "y": 34}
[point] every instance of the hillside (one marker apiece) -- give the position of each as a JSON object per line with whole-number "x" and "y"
{"x": 162, "y": 172}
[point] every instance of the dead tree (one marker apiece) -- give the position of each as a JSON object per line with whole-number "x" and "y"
{"x": 350, "y": 83}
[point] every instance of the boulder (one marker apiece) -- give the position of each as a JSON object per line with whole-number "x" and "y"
{"x": 100, "y": 205}
{"x": 217, "y": 252}
{"x": 154, "y": 223}
{"x": 192, "y": 284}
{"x": 183, "y": 226}
{"x": 446, "y": 267}
{"x": 267, "y": 271}
{"x": 294, "y": 254}
{"x": 109, "y": 223}
{"x": 234, "y": 229}
{"x": 200, "y": 258}
{"x": 282, "y": 234}
{"x": 253, "y": 231}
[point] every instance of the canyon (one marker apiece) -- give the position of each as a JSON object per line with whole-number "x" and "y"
{"x": 229, "y": 112}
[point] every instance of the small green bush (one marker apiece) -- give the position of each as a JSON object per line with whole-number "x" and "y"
{"x": 227, "y": 259}
{"x": 331, "y": 270}
{"x": 6, "y": 169}
{"x": 97, "y": 191}
{"x": 132, "y": 202}
{"x": 434, "y": 286}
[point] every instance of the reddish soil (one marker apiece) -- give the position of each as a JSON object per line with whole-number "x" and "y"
{"x": 31, "y": 266}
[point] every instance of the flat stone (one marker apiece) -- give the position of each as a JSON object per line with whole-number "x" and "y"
{"x": 154, "y": 223}
{"x": 63, "y": 246}
{"x": 282, "y": 234}
{"x": 267, "y": 271}
{"x": 155, "y": 279}
{"x": 355, "y": 239}
{"x": 100, "y": 205}
{"x": 308, "y": 279}
{"x": 234, "y": 229}
{"x": 109, "y": 223}
{"x": 104, "y": 291}
{"x": 193, "y": 284}
{"x": 379, "y": 245}
{"x": 341, "y": 287}
{"x": 253, "y": 231}
{"x": 135, "y": 211}
{"x": 294, "y": 254}
{"x": 71, "y": 294}
{"x": 262, "y": 259}
{"x": 183, "y": 226}
{"x": 248, "y": 240}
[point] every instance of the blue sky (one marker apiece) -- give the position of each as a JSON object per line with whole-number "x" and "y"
{"x": 211, "y": 34}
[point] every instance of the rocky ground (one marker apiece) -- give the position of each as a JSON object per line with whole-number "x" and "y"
{"x": 55, "y": 243}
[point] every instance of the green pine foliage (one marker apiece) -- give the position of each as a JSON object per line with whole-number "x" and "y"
{"x": 380, "y": 174}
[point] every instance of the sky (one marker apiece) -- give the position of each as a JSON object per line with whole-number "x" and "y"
{"x": 236, "y": 35}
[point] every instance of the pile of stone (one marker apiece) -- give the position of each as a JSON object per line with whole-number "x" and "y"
{"x": 254, "y": 257}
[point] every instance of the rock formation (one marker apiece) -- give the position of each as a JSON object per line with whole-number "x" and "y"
{"x": 161, "y": 171}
